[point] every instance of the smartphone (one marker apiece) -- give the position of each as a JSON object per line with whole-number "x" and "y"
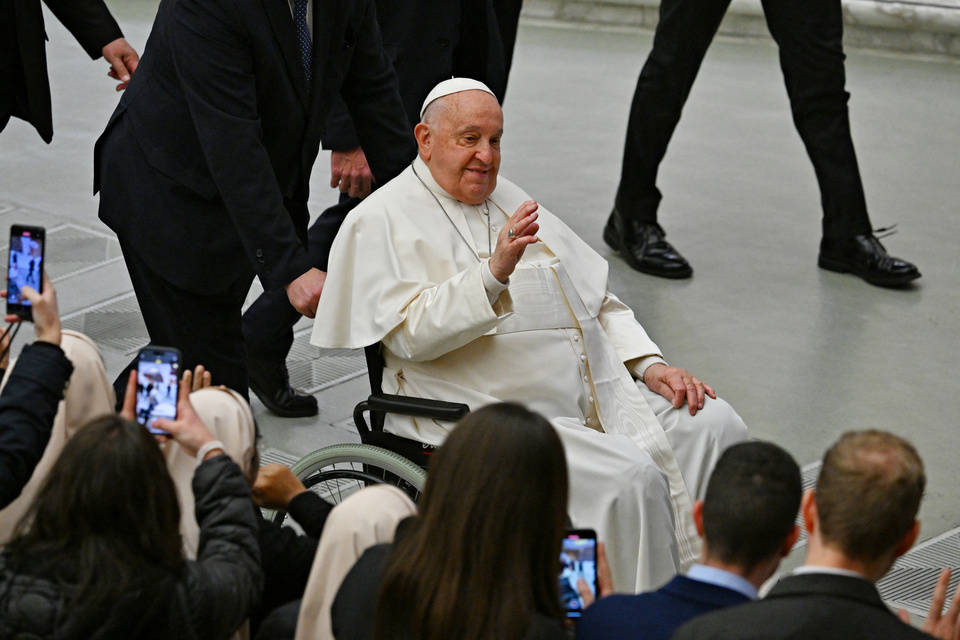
{"x": 158, "y": 385}
{"x": 578, "y": 560}
{"x": 24, "y": 267}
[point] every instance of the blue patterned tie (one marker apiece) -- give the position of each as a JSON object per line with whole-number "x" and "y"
{"x": 303, "y": 38}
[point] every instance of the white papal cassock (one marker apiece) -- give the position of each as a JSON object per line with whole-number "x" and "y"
{"x": 406, "y": 270}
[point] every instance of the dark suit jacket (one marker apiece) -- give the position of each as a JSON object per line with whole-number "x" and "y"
{"x": 24, "y": 86}
{"x": 429, "y": 41}
{"x": 807, "y": 607}
{"x": 205, "y": 165}
{"x": 654, "y": 615}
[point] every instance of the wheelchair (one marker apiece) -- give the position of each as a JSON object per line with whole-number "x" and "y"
{"x": 337, "y": 471}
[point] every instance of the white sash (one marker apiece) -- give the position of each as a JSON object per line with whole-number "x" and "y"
{"x": 623, "y": 410}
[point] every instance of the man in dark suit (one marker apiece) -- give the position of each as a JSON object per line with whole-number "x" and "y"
{"x": 24, "y": 85}
{"x": 747, "y": 522}
{"x": 860, "y": 518}
{"x": 427, "y": 41}
{"x": 204, "y": 167}
{"x": 809, "y": 34}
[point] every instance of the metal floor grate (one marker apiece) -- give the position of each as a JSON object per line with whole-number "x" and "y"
{"x": 275, "y": 456}
{"x": 115, "y": 324}
{"x": 909, "y": 584}
{"x": 72, "y": 250}
{"x": 313, "y": 369}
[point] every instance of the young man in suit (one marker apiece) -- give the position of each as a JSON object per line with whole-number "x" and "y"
{"x": 204, "y": 168}
{"x": 24, "y": 85}
{"x": 861, "y": 517}
{"x": 747, "y": 522}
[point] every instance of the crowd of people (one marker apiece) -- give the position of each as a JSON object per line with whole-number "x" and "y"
{"x": 473, "y": 293}
{"x": 111, "y": 532}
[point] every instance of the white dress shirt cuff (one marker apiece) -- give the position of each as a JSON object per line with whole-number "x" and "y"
{"x": 639, "y": 366}
{"x": 493, "y": 286}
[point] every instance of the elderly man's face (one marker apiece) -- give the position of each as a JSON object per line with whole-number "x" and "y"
{"x": 460, "y": 143}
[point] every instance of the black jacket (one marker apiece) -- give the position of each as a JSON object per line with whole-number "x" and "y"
{"x": 430, "y": 41}
{"x": 28, "y": 405}
{"x": 817, "y": 605}
{"x": 204, "y": 166}
{"x": 288, "y": 557}
{"x": 24, "y": 85}
{"x": 210, "y": 599}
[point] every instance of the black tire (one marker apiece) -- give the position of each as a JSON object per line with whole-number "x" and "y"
{"x": 338, "y": 471}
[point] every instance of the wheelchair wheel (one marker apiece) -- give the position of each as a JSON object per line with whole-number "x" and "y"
{"x": 336, "y": 472}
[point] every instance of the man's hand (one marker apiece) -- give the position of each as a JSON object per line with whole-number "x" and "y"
{"x": 349, "y": 171}
{"x": 46, "y": 318}
{"x": 676, "y": 385}
{"x": 276, "y": 486}
{"x": 123, "y": 61}
{"x": 304, "y": 292}
{"x": 519, "y": 232}
{"x": 945, "y": 626}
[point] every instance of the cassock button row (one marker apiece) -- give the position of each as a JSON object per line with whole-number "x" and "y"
{"x": 589, "y": 420}
{"x": 585, "y": 379}
{"x": 576, "y": 338}
{"x": 590, "y": 399}
{"x": 583, "y": 358}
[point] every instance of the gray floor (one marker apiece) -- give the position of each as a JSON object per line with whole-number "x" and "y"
{"x": 803, "y": 354}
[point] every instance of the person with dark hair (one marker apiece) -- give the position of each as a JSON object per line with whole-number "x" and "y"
{"x": 481, "y": 558}
{"x": 860, "y": 518}
{"x": 747, "y": 522}
{"x": 98, "y": 554}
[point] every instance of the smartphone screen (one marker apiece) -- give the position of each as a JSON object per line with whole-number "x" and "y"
{"x": 158, "y": 384}
{"x": 24, "y": 267}
{"x": 578, "y": 561}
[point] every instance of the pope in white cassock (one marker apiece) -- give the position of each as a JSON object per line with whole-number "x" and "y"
{"x": 478, "y": 295}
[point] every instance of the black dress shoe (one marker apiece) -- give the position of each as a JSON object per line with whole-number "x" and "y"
{"x": 271, "y": 382}
{"x": 643, "y": 246}
{"x": 864, "y": 256}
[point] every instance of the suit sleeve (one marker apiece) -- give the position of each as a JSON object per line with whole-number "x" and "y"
{"x": 214, "y": 60}
{"x": 372, "y": 95}
{"x": 89, "y": 21}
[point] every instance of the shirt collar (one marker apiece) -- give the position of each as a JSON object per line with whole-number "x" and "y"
{"x": 723, "y": 578}
{"x": 808, "y": 569}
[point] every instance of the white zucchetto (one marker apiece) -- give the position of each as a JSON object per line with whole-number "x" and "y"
{"x": 453, "y": 85}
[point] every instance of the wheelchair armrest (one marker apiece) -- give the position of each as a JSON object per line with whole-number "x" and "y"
{"x": 408, "y": 406}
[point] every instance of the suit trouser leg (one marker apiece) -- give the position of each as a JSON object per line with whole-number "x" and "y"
{"x": 205, "y": 327}
{"x": 684, "y": 33}
{"x": 268, "y": 322}
{"x": 810, "y": 36}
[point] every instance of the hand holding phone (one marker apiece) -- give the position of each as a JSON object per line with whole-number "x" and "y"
{"x": 578, "y": 566}
{"x": 158, "y": 386}
{"x": 24, "y": 268}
